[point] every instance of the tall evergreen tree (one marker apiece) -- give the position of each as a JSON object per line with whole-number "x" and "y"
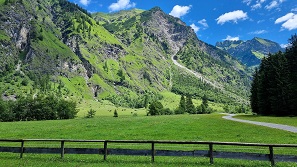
{"x": 190, "y": 108}
{"x": 274, "y": 88}
{"x": 182, "y": 105}
{"x": 263, "y": 94}
{"x": 205, "y": 101}
{"x": 254, "y": 92}
{"x": 291, "y": 55}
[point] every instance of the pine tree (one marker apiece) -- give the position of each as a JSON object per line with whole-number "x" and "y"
{"x": 254, "y": 92}
{"x": 115, "y": 113}
{"x": 263, "y": 93}
{"x": 291, "y": 55}
{"x": 205, "y": 101}
{"x": 190, "y": 108}
{"x": 182, "y": 105}
{"x": 274, "y": 88}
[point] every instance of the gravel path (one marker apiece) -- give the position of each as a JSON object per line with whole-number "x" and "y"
{"x": 198, "y": 75}
{"x": 204, "y": 79}
{"x": 270, "y": 125}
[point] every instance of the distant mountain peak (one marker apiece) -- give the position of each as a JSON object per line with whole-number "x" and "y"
{"x": 250, "y": 52}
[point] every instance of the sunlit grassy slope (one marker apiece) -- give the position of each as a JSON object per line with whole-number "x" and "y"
{"x": 175, "y": 127}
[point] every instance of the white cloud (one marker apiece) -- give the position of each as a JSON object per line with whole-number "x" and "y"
{"x": 85, "y": 2}
{"x": 285, "y": 45}
{"x": 229, "y": 38}
{"x": 260, "y": 21}
{"x": 290, "y": 21}
{"x": 232, "y": 16}
{"x": 274, "y": 4}
{"x": 120, "y": 5}
{"x": 294, "y": 10}
{"x": 203, "y": 23}
{"x": 248, "y": 2}
{"x": 291, "y": 24}
{"x": 256, "y": 6}
{"x": 258, "y": 32}
{"x": 194, "y": 27}
{"x": 284, "y": 18}
{"x": 179, "y": 11}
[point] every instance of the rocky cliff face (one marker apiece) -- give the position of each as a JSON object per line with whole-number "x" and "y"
{"x": 250, "y": 52}
{"x": 167, "y": 29}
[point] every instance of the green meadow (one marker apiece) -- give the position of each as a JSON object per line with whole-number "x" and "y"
{"x": 133, "y": 124}
{"x": 130, "y": 126}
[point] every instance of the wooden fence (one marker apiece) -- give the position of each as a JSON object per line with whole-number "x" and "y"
{"x": 105, "y": 151}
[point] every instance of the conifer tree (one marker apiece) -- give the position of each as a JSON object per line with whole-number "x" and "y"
{"x": 254, "y": 92}
{"x": 190, "y": 108}
{"x": 182, "y": 104}
{"x": 274, "y": 87}
{"x": 291, "y": 55}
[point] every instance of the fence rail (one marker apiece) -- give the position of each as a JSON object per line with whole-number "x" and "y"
{"x": 105, "y": 151}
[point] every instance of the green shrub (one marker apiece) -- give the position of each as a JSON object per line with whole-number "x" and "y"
{"x": 155, "y": 108}
{"x": 167, "y": 111}
{"x": 39, "y": 108}
{"x": 115, "y": 113}
{"x": 91, "y": 113}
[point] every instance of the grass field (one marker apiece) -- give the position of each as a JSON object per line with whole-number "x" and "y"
{"x": 174, "y": 127}
{"x": 127, "y": 127}
{"x": 95, "y": 160}
{"x": 105, "y": 108}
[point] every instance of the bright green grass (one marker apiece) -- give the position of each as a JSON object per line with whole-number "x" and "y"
{"x": 106, "y": 89}
{"x": 97, "y": 160}
{"x": 258, "y": 54}
{"x": 171, "y": 100}
{"x": 176, "y": 127}
{"x": 105, "y": 108}
{"x": 292, "y": 121}
{"x": 3, "y": 35}
{"x": 77, "y": 86}
{"x": 2, "y": 2}
{"x": 264, "y": 42}
{"x": 57, "y": 47}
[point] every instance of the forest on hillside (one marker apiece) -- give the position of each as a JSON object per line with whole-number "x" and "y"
{"x": 274, "y": 86}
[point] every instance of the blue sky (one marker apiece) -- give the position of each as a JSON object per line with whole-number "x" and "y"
{"x": 217, "y": 20}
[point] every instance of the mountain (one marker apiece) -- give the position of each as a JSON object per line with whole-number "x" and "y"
{"x": 126, "y": 57}
{"x": 250, "y": 52}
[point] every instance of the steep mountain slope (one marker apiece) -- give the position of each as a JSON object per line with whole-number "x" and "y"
{"x": 153, "y": 34}
{"x": 56, "y": 46}
{"x": 250, "y": 52}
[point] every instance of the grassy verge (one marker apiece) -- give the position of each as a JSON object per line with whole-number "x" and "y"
{"x": 292, "y": 121}
{"x": 95, "y": 160}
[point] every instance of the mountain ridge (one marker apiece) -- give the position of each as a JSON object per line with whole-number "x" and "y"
{"x": 250, "y": 52}
{"x": 122, "y": 58}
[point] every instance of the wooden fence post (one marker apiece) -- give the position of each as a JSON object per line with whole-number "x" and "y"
{"x": 153, "y": 152}
{"x": 22, "y": 149}
{"x": 105, "y": 150}
{"x": 210, "y": 153}
{"x": 62, "y": 148}
{"x": 271, "y": 156}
